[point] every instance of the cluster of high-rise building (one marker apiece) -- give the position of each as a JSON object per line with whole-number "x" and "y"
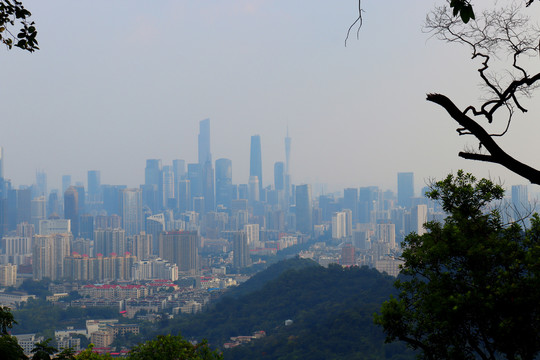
{"x": 111, "y": 232}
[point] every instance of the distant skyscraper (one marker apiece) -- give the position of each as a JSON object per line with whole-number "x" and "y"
{"x": 342, "y": 224}
{"x": 350, "y": 201}
{"x": 520, "y": 202}
{"x": 41, "y": 184}
{"x": 195, "y": 179}
{"x": 131, "y": 211}
{"x": 140, "y": 245}
{"x": 184, "y": 195}
{"x": 71, "y": 209}
{"x": 66, "y": 182}
{"x": 86, "y": 226}
{"x": 287, "y": 168}
{"x": 153, "y": 185}
{"x": 43, "y": 257}
{"x": 418, "y": 217}
{"x": 243, "y": 191}
{"x": 339, "y": 225}
{"x": 205, "y": 171}
{"x": 204, "y": 142}
{"x": 304, "y": 222}
{"x": 19, "y": 207}
{"x": 109, "y": 241}
{"x": 94, "y": 186}
{"x": 48, "y": 253}
{"x": 155, "y": 224}
{"x": 405, "y": 189}
{"x": 111, "y": 194}
{"x": 168, "y": 184}
{"x": 152, "y": 172}
{"x": 180, "y": 247}
{"x": 254, "y": 187}
{"x": 386, "y": 233}
{"x": 208, "y": 186}
{"x": 241, "y": 257}
{"x": 279, "y": 175}
{"x": 179, "y": 170}
{"x": 368, "y": 202}
{"x": 82, "y": 202}
{"x": 38, "y": 210}
{"x": 255, "y": 160}
{"x": 53, "y": 205}
{"x": 223, "y": 182}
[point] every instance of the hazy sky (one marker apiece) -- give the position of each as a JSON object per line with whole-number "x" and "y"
{"x": 119, "y": 82}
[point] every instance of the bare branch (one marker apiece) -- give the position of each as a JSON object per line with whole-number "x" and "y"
{"x": 358, "y": 20}
{"x": 496, "y": 153}
{"x": 501, "y": 33}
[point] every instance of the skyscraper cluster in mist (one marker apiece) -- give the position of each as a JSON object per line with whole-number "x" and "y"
{"x": 187, "y": 207}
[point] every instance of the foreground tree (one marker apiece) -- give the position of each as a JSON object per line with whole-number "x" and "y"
{"x": 6, "y": 320}
{"x": 89, "y": 354}
{"x": 16, "y": 29}
{"x": 471, "y": 286}
{"x": 504, "y": 39}
{"x": 170, "y": 347}
{"x": 9, "y": 347}
{"x": 43, "y": 350}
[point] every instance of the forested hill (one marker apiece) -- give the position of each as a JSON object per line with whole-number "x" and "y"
{"x": 331, "y": 308}
{"x": 258, "y": 280}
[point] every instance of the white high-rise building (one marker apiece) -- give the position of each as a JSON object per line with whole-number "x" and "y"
{"x": 387, "y": 234}
{"x": 338, "y": 225}
{"x": 252, "y": 234}
{"x": 418, "y": 219}
{"x": 342, "y": 224}
{"x": 38, "y": 210}
{"x": 8, "y": 275}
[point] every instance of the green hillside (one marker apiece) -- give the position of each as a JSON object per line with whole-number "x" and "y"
{"x": 331, "y": 308}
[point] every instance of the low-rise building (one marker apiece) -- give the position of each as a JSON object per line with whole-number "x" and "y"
{"x": 27, "y": 342}
{"x": 66, "y": 342}
{"x": 102, "y": 338}
{"x": 191, "y": 307}
{"x": 14, "y": 299}
{"x": 122, "y": 329}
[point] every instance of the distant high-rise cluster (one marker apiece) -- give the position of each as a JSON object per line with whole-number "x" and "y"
{"x": 184, "y": 212}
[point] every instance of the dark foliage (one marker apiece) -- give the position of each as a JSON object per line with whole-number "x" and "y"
{"x": 331, "y": 309}
{"x": 37, "y": 316}
{"x": 473, "y": 286}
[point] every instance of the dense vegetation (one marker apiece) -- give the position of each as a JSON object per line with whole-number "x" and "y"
{"x": 331, "y": 308}
{"x": 472, "y": 290}
{"x": 42, "y": 317}
{"x": 258, "y": 280}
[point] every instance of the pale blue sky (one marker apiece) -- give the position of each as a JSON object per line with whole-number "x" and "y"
{"x": 118, "y": 82}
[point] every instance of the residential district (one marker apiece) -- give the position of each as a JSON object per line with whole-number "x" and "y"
{"x": 186, "y": 235}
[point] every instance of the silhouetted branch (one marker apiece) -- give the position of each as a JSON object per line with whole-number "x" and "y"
{"x": 505, "y": 33}
{"x": 496, "y": 153}
{"x": 358, "y": 20}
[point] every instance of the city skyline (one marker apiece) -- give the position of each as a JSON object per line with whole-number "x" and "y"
{"x": 107, "y": 98}
{"x": 91, "y": 180}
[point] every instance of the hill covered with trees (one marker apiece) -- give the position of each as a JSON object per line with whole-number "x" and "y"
{"x": 331, "y": 309}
